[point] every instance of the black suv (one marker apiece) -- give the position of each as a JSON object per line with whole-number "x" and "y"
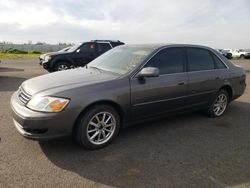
{"x": 78, "y": 55}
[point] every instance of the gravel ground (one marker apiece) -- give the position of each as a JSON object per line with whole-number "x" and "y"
{"x": 190, "y": 150}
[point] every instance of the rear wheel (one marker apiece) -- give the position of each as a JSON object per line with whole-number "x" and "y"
{"x": 97, "y": 127}
{"x": 242, "y": 56}
{"x": 219, "y": 105}
{"x": 60, "y": 66}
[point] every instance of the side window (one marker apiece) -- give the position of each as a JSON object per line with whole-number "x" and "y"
{"x": 199, "y": 59}
{"x": 103, "y": 47}
{"x": 114, "y": 44}
{"x": 218, "y": 63}
{"x": 168, "y": 61}
{"x": 87, "y": 48}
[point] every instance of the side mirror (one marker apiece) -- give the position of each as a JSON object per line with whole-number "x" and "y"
{"x": 78, "y": 50}
{"x": 149, "y": 72}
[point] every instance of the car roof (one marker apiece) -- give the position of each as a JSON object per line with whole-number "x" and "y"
{"x": 106, "y": 41}
{"x": 159, "y": 45}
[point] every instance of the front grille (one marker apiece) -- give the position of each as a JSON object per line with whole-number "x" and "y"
{"x": 23, "y": 96}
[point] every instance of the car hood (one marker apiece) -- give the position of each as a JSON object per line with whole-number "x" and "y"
{"x": 79, "y": 77}
{"x": 54, "y": 54}
{"x": 59, "y": 53}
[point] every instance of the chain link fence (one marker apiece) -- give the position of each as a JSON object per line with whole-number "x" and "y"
{"x": 33, "y": 47}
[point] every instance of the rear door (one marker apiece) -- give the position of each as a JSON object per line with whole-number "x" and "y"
{"x": 157, "y": 95}
{"x": 205, "y": 75}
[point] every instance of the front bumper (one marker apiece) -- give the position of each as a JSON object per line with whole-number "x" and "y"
{"x": 38, "y": 125}
{"x": 40, "y": 61}
{"x": 44, "y": 64}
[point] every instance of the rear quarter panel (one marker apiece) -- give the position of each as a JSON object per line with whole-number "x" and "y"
{"x": 235, "y": 79}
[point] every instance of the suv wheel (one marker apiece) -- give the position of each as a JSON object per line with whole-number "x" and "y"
{"x": 61, "y": 66}
{"x": 219, "y": 104}
{"x": 242, "y": 56}
{"x": 97, "y": 127}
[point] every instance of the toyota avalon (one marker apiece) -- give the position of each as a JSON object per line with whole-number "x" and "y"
{"x": 127, "y": 84}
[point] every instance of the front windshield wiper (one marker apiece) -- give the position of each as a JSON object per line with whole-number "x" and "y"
{"x": 95, "y": 68}
{"x": 104, "y": 70}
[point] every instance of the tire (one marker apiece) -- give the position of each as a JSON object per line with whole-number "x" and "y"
{"x": 60, "y": 66}
{"x": 219, "y": 104}
{"x": 229, "y": 56}
{"x": 94, "y": 130}
{"x": 242, "y": 57}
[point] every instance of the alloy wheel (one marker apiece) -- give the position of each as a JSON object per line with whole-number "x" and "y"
{"x": 101, "y": 128}
{"x": 220, "y": 104}
{"x": 62, "y": 67}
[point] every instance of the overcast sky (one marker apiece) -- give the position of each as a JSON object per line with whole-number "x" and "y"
{"x": 216, "y": 23}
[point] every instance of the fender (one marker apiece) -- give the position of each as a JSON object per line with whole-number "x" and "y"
{"x": 58, "y": 59}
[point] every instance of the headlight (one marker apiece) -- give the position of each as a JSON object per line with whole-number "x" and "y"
{"x": 47, "y": 58}
{"x": 47, "y": 104}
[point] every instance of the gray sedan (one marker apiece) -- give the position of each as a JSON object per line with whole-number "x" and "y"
{"x": 127, "y": 84}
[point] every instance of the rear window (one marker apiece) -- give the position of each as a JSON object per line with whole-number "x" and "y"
{"x": 199, "y": 59}
{"x": 103, "y": 47}
{"x": 114, "y": 44}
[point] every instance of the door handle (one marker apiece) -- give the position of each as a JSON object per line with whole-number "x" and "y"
{"x": 181, "y": 83}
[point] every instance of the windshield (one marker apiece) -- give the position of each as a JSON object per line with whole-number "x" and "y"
{"x": 121, "y": 60}
{"x": 65, "y": 49}
{"x": 74, "y": 48}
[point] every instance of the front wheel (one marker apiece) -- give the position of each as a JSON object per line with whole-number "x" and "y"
{"x": 97, "y": 127}
{"x": 219, "y": 104}
{"x": 60, "y": 66}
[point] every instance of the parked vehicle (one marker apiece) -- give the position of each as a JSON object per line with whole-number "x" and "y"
{"x": 42, "y": 57}
{"x": 242, "y": 54}
{"x": 127, "y": 84}
{"x": 228, "y": 55}
{"x": 78, "y": 55}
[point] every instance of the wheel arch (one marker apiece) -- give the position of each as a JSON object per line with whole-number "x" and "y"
{"x": 113, "y": 104}
{"x": 57, "y": 60}
{"x": 229, "y": 90}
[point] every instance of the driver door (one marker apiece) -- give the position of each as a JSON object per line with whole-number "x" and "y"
{"x": 84, "y": 54}
{"x": 151, "y": 96}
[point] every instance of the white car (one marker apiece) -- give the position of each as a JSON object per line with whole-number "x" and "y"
{"x": 239, "y": 53}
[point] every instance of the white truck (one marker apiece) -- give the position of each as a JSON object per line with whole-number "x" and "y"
{"x": 239, "y": 53}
